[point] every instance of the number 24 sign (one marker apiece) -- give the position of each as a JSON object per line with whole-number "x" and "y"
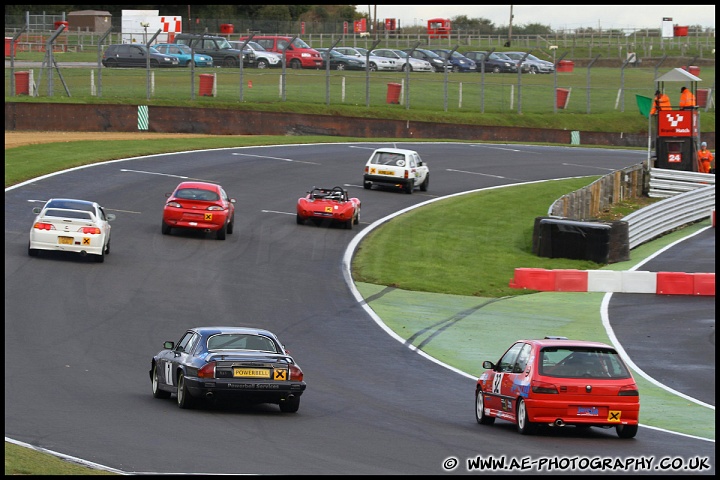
{"x": 674, "y": 158}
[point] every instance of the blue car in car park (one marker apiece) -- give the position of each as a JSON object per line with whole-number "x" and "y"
{"x": 184, "y": 55}
{"x": 457, "y": 62}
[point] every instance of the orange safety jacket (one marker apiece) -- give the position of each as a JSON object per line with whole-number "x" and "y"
{"x": 662, "y": 103}
{"x": 687, "y": 99}
{"x": 705, "y": 158}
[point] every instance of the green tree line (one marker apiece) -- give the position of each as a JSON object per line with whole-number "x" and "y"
{"x": 283, "y": 13}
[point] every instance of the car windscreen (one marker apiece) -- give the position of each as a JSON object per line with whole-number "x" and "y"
{"x": 241, "y": 342}
{"x": 389, "y": 158}
{"x": 60, "y": 213}
{"x": 71, "y": 205}
{"x": 582, "y": 362}
{"x": 223, "y": 44}
{"x": 431, "y": 54}
{"x": 197, "y": 194}
{"x": 299, "y": 43}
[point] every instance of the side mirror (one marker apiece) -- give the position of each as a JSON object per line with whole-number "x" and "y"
{"x": 37, "y": 210}
{"x": 488, "y": 365}
{"x": 168, "y": 345}
{"x": 110, "y": 217}
{"x": 167, "y": 195}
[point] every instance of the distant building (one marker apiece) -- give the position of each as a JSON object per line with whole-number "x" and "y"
{"x": 89, "y": 21}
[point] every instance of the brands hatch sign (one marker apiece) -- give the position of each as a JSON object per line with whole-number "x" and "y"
{"x": 676, "y": 123}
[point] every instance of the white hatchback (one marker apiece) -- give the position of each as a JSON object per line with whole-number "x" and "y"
{"x": 396, "y": 167}
{"x": 70, "y": 225}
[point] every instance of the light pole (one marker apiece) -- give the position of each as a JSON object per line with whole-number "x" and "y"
{"x": 554, "y": 49}
{"x": 145, "y": 25}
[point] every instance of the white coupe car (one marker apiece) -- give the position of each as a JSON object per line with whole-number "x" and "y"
{"x": 69, "y": 225}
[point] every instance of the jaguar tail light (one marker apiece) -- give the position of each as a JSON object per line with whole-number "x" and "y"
{"x": 407, "y": 174}
{"x": 44, "y": 226}
{"x": 296, "y": 374}
{"x": 90, "y": 230}
{"x": 208, "y": 371}
{"x": 215, "y": 207}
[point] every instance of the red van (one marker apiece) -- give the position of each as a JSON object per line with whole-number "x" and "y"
{"x": 299, "y": 54}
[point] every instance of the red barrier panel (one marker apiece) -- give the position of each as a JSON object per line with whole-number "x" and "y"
{"x": 675, "y": 283}
{"x": 22, "y": 83}
{"x": 571, "y": 281}
{"x": 704, "y": 284}
{"x": 702, "y": 97}
{"x": 534, "y": 279}
{"x": 207, "y": 81}
{"x": 563, "y": 96}
{"x": 393, "y": 93}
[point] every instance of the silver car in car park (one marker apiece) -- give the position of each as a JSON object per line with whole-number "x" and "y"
{"x": 532, "y": 64}
{"x": 380, "y": 64}
{"x": 435, "y": 60}
{"x": 400, "y": 57}
{"x": 263, "y": 58}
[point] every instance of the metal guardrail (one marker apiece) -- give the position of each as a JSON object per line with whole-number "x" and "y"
{"x": 666, "y": 183}
{"x": 690, "y": 198}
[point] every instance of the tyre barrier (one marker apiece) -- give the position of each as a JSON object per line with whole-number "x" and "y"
{"x": 660, "y": 283}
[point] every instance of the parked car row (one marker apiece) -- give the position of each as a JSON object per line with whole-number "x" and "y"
{"x": 266, "y": 51}
{"x": 133, "y": 55}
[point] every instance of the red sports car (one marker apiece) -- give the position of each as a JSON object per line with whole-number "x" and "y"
{"x": 329, "y": 204}
{"x": 199, "y": 206}
{"x": 559, "y": 382}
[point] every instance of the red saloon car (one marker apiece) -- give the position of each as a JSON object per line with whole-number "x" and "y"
{"x": 199, "y": 206}
{"x": 559, "y": 382}
{"x": 329, "y": 204}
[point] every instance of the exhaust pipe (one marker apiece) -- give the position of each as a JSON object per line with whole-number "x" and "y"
{"x": 209, "y": 395}
{"x": 83, "y": 253}
{"x": 559, "y": 423}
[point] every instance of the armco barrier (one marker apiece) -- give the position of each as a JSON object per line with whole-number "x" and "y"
{"x": 675, "y": 283}
{"x": 568, "y": 280}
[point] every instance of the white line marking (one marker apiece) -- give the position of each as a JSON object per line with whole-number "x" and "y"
{"x": 275, "y": 211}
{"x": 153, "y": 173}
{"x": 276, "y": 158}
{"x": 590, "y": 166}
{"x": 476, "y": 173}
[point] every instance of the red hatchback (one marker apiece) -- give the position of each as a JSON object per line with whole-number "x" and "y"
{"x": 199, "y": 206}
{"x": 559, "y": 382}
